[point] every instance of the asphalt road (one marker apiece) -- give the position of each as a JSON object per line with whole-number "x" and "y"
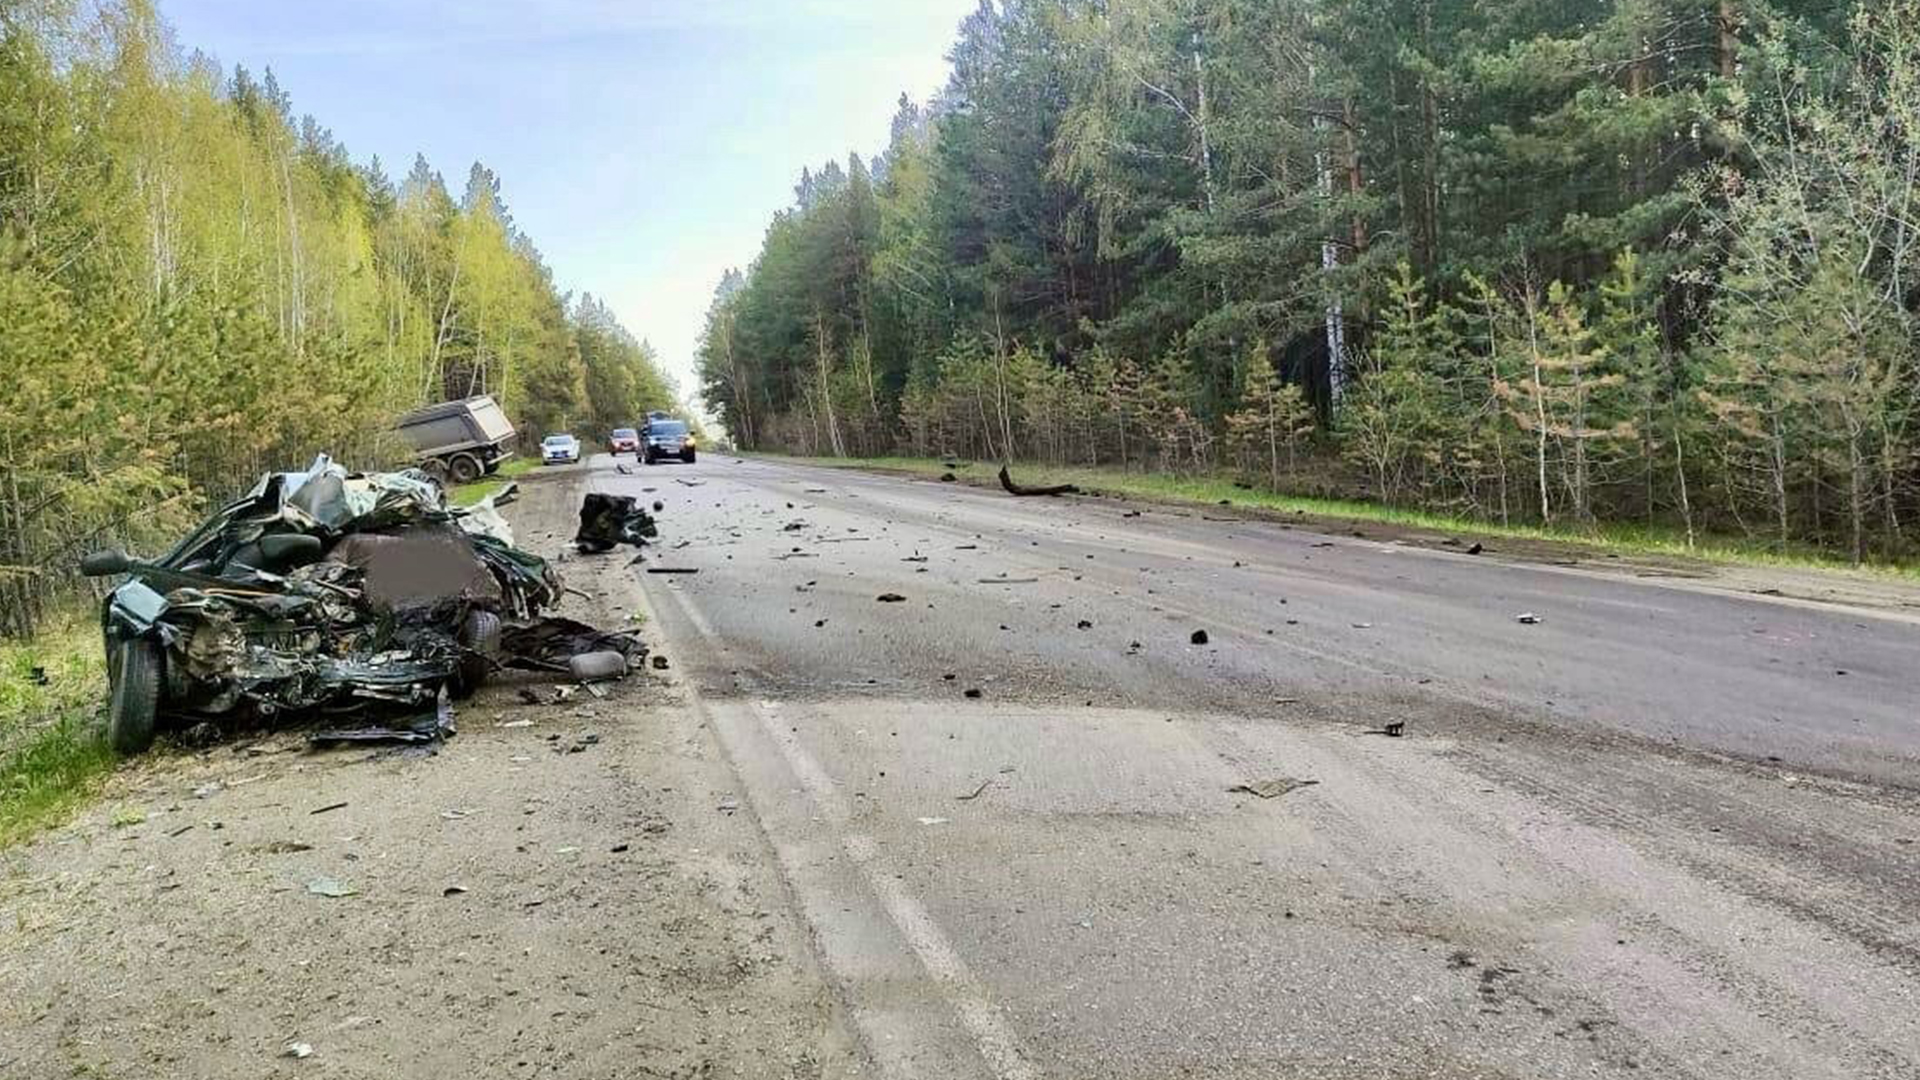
{"x": 1666, "y": 830}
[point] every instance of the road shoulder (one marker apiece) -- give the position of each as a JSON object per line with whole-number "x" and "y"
{"x": 563, "y": 890}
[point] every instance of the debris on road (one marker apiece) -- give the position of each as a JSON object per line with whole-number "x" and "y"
{"x": 1271, "y": 789}
{"x": 297, "y": 1050}
{"x": 598, "y": 666}
{"x": 357, "y": 596}
{"x": 328, "y": 887}
{"x": 553, "y": 642}
{"x": 1527, "y": 618}
{"x": 328, "y": 808}
{"x": 890, "y": 598}
{"x": 1006, "y": 481}
{"x": 976, "y": 792}
{"x": 972, "y": 693}
{"x": 1199, "y": 637}
{"x": 607, "y": 521}
{"x": 1392, "y": 729}
{"x": 673, "y": 569}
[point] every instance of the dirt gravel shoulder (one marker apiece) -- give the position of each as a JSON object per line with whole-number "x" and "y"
{"x": 562, "y": 890}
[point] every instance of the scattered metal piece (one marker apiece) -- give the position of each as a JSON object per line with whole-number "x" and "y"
{"x": 329, "y": 807}
{"x": 975, "y": 793}
{"x": 1527, "y": 618}
{"x": 1272, "y": 789}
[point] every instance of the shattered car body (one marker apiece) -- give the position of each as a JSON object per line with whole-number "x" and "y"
{"x": 322, "y": 594}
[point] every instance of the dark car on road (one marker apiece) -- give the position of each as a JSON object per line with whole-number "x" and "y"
{"x": 667, "y": 439}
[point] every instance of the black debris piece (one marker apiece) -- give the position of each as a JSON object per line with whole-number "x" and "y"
{"x": 428, "y": 727}
{"x": 551, "y": 643}
{"x": 607, "y": 521}
{"x": 890, "y": 598}
{"x": 1199, "y": 637}
{"x": 1006, "y": 481}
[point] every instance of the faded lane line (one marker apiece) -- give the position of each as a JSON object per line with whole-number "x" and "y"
{"x": 996, "y": 1042}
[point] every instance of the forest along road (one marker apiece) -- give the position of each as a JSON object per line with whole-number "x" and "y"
{"x": 1665, "y": 830}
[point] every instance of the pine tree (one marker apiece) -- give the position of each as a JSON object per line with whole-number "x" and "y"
{"x": 1272, "y": 418}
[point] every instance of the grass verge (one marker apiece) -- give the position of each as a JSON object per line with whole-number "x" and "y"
{"x": 53, "y": 753}
{"x": 1615, "y": 538}
{"x": 468, "y": 494}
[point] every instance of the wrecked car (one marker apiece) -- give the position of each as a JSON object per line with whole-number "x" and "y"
{"x": 330, "y": 595}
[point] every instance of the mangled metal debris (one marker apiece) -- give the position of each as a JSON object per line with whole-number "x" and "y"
{"x": 607, "y": 521}
{"x": 362, "y": 600}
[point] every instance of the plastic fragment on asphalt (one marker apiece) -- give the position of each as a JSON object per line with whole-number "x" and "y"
{"x": 326, "y": 886}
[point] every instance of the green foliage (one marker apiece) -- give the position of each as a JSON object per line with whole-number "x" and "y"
{"x": 51, "y": 749}
{"x": 196, "y": 286}
{"x": 1640, "y": 260}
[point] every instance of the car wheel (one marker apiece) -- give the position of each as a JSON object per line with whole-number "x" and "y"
{"x": 481, "y": 637}
{"x": 134, "y": 700}
{"x": 465, "y": 469}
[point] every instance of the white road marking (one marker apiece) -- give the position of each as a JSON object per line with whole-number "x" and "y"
{"x": 998, "y": 1046}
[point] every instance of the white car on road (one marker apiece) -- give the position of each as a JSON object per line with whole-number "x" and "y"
{"x": 559, "y": 449}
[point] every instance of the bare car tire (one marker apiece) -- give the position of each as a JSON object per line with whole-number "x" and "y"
{"x": 134, "y": 701}
{"x": 481, "y": 636}
{"x": 465, "y": 469}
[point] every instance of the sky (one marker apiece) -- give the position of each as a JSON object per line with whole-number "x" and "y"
{"x": 642, "y": 144}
